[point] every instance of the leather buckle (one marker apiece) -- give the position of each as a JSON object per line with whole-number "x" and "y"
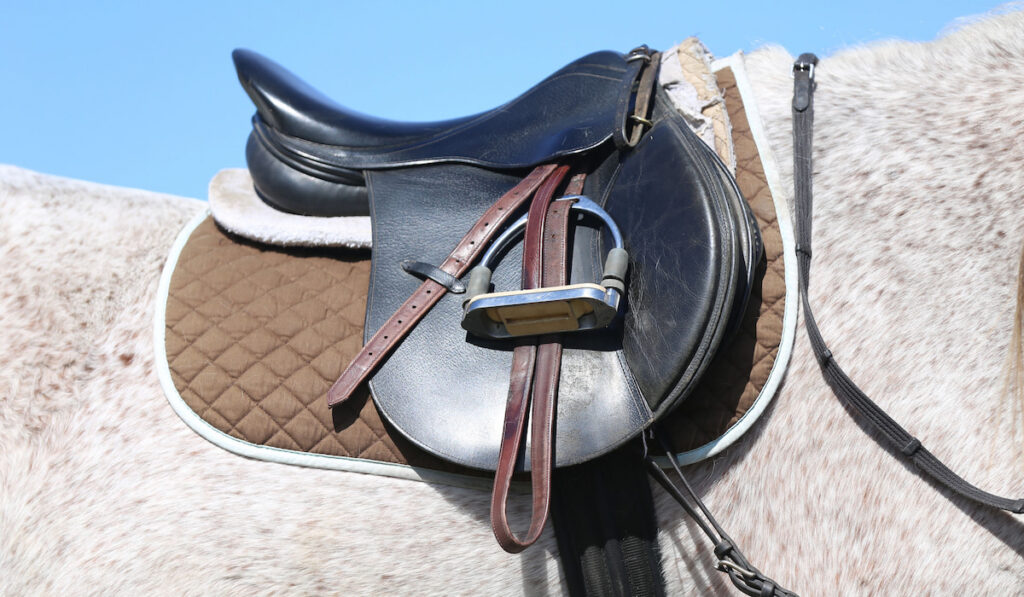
{"x": 805, "y": 63}
{"x": 572, "y": 308}
{"x": 807, "y": 67}
{"x": 639, "y": 53}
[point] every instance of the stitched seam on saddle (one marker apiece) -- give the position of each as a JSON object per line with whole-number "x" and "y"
{"x": 637, "y": 400}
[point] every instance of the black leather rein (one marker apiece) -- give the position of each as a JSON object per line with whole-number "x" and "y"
{"x": 893, "y": 434}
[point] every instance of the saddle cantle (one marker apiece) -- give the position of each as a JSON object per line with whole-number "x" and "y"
{"x": 691, "y": 239}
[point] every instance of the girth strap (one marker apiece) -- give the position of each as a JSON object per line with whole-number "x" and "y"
{"x": 429, "y": 292}
{"x": 897, "y": 438}
{"x": 536, "y": 364}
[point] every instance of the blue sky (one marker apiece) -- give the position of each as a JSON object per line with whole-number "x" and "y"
{"x": 145, "y": 96}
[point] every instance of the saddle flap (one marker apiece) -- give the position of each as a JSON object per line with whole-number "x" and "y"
{"x": 446, "y": 389}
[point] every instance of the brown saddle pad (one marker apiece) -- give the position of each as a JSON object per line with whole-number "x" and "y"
{"x": 255, "y": 335}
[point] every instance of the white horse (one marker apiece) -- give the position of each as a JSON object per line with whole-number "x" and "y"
{"x": 919, "y": 180}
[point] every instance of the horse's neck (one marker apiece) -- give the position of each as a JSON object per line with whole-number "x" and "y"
{"x": 918, "y": 226}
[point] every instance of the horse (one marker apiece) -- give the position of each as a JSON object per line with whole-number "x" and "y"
{"x": 918, "y": 169}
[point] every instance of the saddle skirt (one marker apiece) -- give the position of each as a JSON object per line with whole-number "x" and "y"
{"x": 693, "y": 241}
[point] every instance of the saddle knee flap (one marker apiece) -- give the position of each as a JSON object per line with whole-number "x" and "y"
{"x": 557, "y": 309}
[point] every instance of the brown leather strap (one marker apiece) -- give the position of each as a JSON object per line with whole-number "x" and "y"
{"x": 644, "y": 94}
{"x": 427, "y": 295}
{"x": 535, "y": 373}
{"x": 634, "y": 103}
{"x": 575, "y": 186}
{"x": 524, "y": 358}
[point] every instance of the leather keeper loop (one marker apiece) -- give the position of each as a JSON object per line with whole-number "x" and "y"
{"x": 911, "y": 447}
{"x": 425, "y": 270}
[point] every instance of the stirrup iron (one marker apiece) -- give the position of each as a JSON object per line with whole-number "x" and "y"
{"x": 556, "y": 309}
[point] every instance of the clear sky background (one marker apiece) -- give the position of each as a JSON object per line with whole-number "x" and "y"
{"x": 145, "y": 96}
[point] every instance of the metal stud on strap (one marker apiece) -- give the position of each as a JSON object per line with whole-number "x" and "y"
{"x": 572, "y": 308}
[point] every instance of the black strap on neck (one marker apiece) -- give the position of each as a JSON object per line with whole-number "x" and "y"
{"x": 892, "y": 433}
{"x": 731, "y": 560}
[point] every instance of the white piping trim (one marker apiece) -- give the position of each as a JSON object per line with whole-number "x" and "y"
{"x": 254, "y": 451}
{"x": 789, "y": 316}
{"x": 398, "y": 471}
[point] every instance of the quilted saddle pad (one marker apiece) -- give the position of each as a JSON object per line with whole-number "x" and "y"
{"x": 251, "y": 336}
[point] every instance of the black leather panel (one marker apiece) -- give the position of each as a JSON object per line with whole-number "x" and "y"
{"x": 683, "y": 261}
{"x": 751, "y": 244}
{"x": 291, "y": 190}
{"x": 447, "y": 390}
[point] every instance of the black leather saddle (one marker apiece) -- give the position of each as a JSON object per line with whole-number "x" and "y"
{"x": 693, "y": 244}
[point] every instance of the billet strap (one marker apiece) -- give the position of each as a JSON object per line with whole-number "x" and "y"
{"x": 731, "y": 560}
{"x": 606, "y": 527}
{"x": 536, "y": 364}
{"x": 890, "y": 431}
{"x": 634, "y": 102}
{"x": 429, "y": 292}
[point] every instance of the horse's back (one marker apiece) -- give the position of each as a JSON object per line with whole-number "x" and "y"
{"x": 917, "y": 230}
{"x": 104, "y": 482}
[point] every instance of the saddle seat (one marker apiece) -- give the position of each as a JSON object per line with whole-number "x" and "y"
{"x": 301, "y": 139}
{"x": 293, "y": 107}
